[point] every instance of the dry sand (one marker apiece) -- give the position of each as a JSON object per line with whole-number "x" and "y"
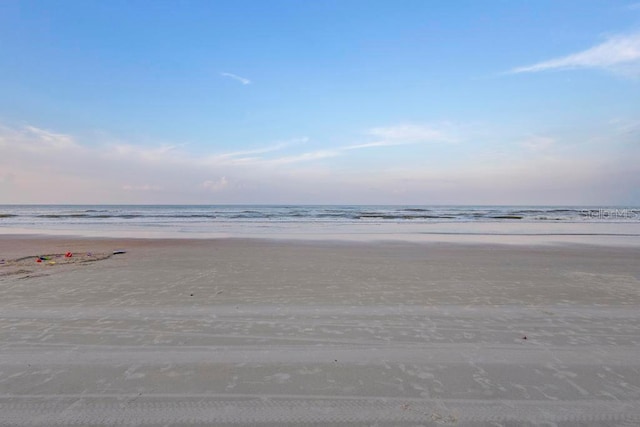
{"x": 258, "y": 332}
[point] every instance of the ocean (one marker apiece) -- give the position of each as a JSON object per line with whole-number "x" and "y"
{"x": 324, "y": 221}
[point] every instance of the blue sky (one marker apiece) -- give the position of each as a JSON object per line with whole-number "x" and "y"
{"x": 411, "y": 102}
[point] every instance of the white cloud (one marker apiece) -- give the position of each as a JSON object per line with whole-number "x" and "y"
{"x": 240, "y": 157}
{"x": 38, "y": 166}
{"x": 625, "y": 126}
{"x": 402, "y": 135}
{"x": 31, "y": 138}
{"x": 619, "y": 53}
{"x": 243, "y": 80}
{"x": 377, "y": 144}
{"x": 53, "y": 140}
{"x": 538, "y": 143}
{"x": 217, "y": 185}
{"x": 144, "y": 187}
{"x": 125, "y": 173}
{"x": 407, "y": 132}
{"x": 304, "y": 157}
{"x": 144, "y": 153}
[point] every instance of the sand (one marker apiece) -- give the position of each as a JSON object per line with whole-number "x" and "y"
{"x": 271, "y": 333}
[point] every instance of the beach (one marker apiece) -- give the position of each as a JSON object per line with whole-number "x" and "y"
{"x": 201, "y": 332}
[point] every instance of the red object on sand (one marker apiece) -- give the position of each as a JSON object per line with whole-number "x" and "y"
{"x": 68, "y": 255}
{"x": 38, "y": 260}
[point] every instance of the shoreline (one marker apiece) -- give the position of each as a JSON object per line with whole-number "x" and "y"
{"x": 12, "y": 245}
{"x": 628, "y": 236}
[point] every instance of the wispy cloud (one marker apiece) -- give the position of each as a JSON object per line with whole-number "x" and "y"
{"x": 625, "y": 126}
{"x": 243, "y": 156}
{"x": 148, "y": 154}
{"x": 407, "y": 132}
{"x": 33, "y": 171}
{"x": 619, "y": 53}
{"x": 243, "y": 80}
{"x": 224, "y": 160}
{"x": 402, "y": 135}
{"x": 538, "y": 143}
{"x": 31, "y": 138}
{"x": 216, "y": 185}
{"x": 376, "y": 144}
{"x": 144, "y": 187}
{"x": 304, "y": 157}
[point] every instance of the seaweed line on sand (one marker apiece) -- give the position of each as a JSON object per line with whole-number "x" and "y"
{"x": 28, "y": 265}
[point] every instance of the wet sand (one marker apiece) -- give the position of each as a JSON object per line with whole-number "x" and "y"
{"x": 270, "y": 333}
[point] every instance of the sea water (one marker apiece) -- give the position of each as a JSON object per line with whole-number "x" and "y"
{"x": 594, "y": 224}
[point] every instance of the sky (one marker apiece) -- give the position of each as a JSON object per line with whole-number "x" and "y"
{"x": 320, "y": 102}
